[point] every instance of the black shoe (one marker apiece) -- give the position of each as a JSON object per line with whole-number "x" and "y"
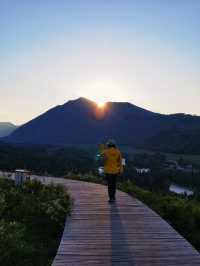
{"x": 111, "y": 200}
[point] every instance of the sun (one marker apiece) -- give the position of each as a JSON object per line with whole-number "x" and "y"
{"x": 101, "y": 105}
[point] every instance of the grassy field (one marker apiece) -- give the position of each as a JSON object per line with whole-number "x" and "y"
{"x": 193, "y": 159}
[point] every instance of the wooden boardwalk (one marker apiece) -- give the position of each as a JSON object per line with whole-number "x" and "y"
{"x": 126, "y": 233}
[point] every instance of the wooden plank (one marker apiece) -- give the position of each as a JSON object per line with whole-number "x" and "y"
{"x": 123, "y": 234}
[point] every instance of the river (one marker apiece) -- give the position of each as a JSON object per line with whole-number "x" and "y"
{"x": 180, "y": 190}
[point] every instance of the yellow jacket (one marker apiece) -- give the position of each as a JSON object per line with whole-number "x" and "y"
{"x": 113, "y": 161}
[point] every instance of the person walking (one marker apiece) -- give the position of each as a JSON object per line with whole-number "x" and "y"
{"x": 112, "y": 167}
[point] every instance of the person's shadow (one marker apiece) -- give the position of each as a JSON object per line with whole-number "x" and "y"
{"x": 121, "y": 254}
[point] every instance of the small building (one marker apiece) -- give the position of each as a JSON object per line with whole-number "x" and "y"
{"x": 21, "y": 175}
{"x": 143, "y": 170}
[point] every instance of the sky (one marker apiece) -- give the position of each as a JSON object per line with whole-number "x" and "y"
{"x": 142, "y": 51}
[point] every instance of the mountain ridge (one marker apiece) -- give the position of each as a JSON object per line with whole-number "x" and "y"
{"x": 6, "y": 128}
{"x": 81, "y": 121}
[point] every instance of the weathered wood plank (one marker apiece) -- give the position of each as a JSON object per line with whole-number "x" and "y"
{"x": 126, "y": 233}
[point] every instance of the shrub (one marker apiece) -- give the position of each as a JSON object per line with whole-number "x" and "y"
{"x": 32, "y": 219}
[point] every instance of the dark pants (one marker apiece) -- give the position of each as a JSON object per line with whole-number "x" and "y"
{"x": 111, "y": 180}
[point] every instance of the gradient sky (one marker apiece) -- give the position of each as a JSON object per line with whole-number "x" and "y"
{"x": 143, "y": 51}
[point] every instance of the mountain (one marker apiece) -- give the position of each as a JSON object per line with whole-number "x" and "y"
{"x": 6, "y": 128}
{"x": 81, "y": 121}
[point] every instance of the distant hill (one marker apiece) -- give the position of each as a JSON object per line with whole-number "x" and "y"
{"x": 82, "y": 122}
{"x": 6, "y": 128}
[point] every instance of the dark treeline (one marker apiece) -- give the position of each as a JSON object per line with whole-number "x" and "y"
{"x": 176, "y": 141}
{"x": 60, "y": 161}
{"x": 45, "y": 159}
{"x": 160, "y": 177}
{"x": 156, "y": 180}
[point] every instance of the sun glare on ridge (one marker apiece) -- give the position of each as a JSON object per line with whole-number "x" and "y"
{"x": 101, "y": 104}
